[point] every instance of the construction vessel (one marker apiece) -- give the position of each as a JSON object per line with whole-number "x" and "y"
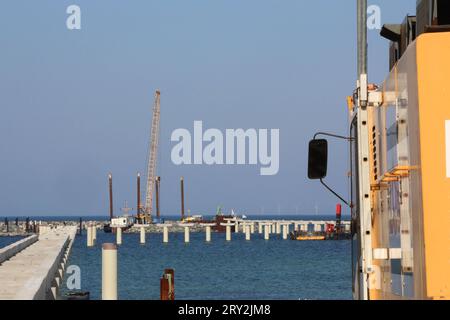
{"x": 332, "y": 231}
{"x": 400, "y": 161}
{"x": 125, "y": 221}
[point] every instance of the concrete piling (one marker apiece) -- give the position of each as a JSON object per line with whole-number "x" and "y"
{"x": 142, "y": 235}
{"x": 285, "y": 230}
{"x": 278, "y": 227}
{"x": 118, "y": 236}
{"x": 228, "y": 230}
{"x": 186, "y": 234}
{"x": 89, "y": 237}
{"x": 317, "y": 227}
{"x": 109, "y": 271}
{"x": 252, "y": 228}
{"x": 247, "y": 232}
{"x": 165, "y": 234}
{"x": 260, "y": 227}
{"x": 208, "y": 230}
{"x": 208, "y": 234}
{"x": 267, "y": 228}
{"x": 94, "y": 234}
{"x": 228, "y": 233}
{"x": 186, "y": 230}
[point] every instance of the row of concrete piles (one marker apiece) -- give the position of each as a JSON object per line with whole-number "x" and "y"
{"x": 247, "y": 227}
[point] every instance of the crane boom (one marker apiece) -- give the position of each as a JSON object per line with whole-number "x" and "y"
{"x": 153, "y": 150}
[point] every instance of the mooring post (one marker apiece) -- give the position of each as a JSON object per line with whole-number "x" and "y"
{"x": 109, "y": 271}
{"x": 167, "y": 285}
{"x": 80, "y": 232}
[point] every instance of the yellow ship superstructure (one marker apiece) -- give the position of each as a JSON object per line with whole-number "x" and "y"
{"x": 401, "y": 246}
{"x": 399, "y": 161}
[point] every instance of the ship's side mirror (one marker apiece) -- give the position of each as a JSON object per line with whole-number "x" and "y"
{"x": 317, "y": 159}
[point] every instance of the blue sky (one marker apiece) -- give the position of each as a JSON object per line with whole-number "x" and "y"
{"x": 77, "y": 104}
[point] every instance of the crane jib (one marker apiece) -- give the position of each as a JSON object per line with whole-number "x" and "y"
{"x": 151, "y": 166}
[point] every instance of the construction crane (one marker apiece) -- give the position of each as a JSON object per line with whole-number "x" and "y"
{"x": 144, "y": 214}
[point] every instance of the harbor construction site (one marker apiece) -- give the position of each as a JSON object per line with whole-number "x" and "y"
{"x": 46, "y": 246}
{"x": 286, "y": 229}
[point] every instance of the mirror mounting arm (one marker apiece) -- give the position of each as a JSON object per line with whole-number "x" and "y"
{"x": 333, "y": 135}
{"x": 321, "y": 180}
{"x": 333, "y": 192}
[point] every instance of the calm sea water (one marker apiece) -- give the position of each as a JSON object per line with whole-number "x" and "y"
{"x": 5, "y": 241}
{"x": 240, "y": 269}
